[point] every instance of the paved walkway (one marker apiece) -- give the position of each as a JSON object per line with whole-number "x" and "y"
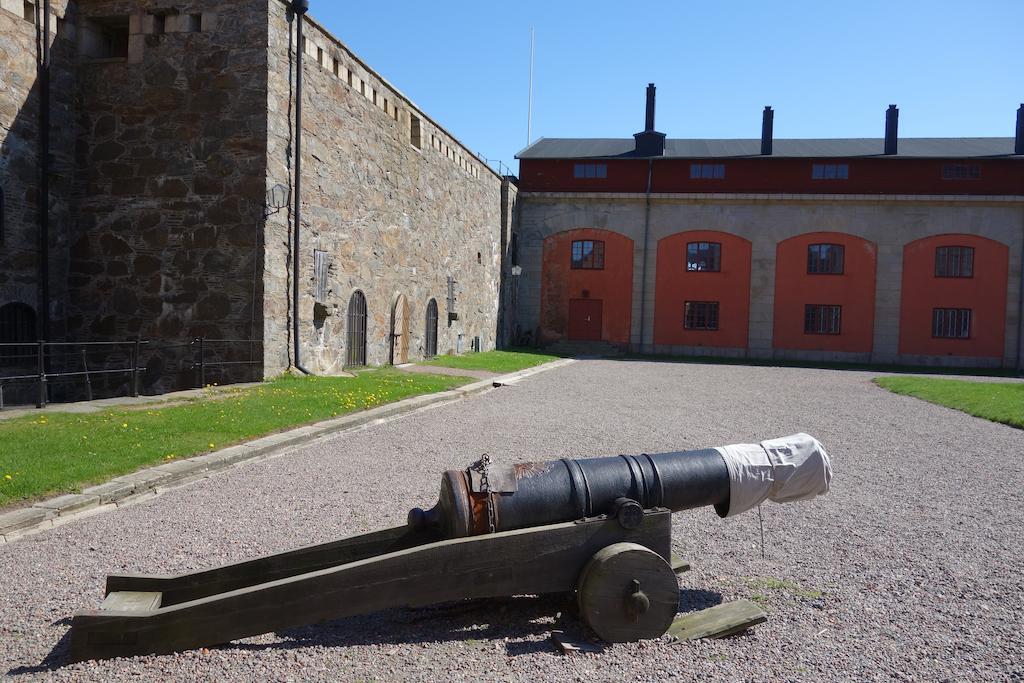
{"x": 910, "y": 567}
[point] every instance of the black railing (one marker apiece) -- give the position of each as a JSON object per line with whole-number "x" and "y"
{"x": 42, "y": 364}
{"x": 202, "y": 347}
{"x": 45, "y": 355}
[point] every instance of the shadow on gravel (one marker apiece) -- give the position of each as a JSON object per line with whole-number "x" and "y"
{"x": 509, "y": 622}
{"x": 57, "y": 657}
{"x": 513, "y": 623}
{"x": 694, "y": 600}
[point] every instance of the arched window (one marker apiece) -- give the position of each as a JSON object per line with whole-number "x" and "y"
{"x": 17, "y": 325}
{"x": 431, "y": 346}
{"x": 356, "y": 334}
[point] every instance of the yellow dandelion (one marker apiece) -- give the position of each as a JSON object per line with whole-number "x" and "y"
{"x": 124, "y": 424}
{"x": 211, "y": 445}
{"x": 8, "y": 477}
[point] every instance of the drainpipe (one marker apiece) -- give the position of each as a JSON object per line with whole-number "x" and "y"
{"x": 300, "y": 7}
{"x": 44, "y": 180}
{"x": 643, "y": 265}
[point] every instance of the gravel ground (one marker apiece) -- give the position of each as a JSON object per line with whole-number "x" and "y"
{"x": 910, "y": 569}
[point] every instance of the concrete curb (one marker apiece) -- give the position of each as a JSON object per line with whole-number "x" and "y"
{"x": 130, "y": 488}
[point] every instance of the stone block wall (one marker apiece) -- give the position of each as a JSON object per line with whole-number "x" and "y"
{"x": 394, "y": 202}
{"x": 171, "y": 167}
{"x": 20, "y": 156}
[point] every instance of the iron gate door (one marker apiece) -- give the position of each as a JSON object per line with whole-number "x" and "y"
{"x": 431, "y": 334}
{"x": 355, "y": 341}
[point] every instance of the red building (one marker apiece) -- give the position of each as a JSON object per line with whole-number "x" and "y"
{"x": 880, "y": 250}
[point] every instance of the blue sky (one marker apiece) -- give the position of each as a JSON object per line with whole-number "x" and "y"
{"x": 829, "y": 69}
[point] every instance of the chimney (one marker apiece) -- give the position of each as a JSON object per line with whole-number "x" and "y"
{"x": 649, "y": 120}
{"x": 1018, "y": 146}
{"x": 892, "y": 124}
{"x": 767, "y": 122}
{"x": 649, "y": 143}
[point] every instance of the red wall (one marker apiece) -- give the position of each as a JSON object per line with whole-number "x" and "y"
{"x": 613, "y": 285}
{"x": 985, "y": 294}
{"x": 854, "y": 290}
{"x": 867, "y": 175}
{"x": 675, "y": 285}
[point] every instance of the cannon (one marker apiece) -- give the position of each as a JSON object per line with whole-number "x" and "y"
{"x": 598, "y": 527}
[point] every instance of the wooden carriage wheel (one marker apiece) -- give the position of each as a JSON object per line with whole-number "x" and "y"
{"x": 627, "y": 593}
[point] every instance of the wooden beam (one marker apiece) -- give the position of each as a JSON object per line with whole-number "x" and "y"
{"x": 131, "y": 601}
{"x": 536, "y": 560}
{"x": 718, "y": 621}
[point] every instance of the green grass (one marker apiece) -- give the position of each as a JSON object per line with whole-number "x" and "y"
{"x": 60, "y": 452}
{"x": 996, "y": 401}
{"x": 494, "y": 361}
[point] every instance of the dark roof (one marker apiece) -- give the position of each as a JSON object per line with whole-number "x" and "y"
{"x": 604, "y": 148}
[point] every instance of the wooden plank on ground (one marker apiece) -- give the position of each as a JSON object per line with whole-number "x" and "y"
{"x": 718, "y": 621}
{"x": 131, "y": 601}
{"x": 679, "y": 565}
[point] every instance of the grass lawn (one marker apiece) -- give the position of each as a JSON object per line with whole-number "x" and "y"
{"x": 59, "y": 452}
{"x": 494, "y": 361}
{"x": 996, "y": 401}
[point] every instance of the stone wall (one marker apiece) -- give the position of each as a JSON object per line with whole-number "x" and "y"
{"x": 20, "y": 155}
{"x": 396, "y": 204}
{"x": 890, "y": 222}
{"x": 170, "y": 177}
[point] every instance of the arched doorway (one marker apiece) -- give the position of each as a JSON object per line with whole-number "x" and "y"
{"x": 430, "y": 349}
{"x": 400, "y": 331}
{"x": 17, "y": 324}
{"x": 355, "y": 339}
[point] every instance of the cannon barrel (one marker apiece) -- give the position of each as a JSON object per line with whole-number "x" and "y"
{"x": 486, "y": 497}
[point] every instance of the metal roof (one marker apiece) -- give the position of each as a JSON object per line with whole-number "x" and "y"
{"x": 603, "y": 148}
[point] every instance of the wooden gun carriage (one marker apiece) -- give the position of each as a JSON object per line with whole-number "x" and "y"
{"x": 600, "y": 527}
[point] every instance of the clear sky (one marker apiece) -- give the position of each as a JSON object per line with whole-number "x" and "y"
{"x": 829, "y": 69}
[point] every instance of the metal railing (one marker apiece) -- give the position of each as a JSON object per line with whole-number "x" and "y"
{"x": 43, "y": 375}
{"x": 44, "y": 364}
{"x": 201, "y": 345}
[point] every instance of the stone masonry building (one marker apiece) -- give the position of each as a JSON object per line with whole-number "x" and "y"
{"x": 169, "y": 172}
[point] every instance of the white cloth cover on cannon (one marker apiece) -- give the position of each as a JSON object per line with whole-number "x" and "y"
{"x": 782, "y": 470}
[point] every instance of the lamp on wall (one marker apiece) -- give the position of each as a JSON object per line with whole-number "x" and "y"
{"x": 277, "y": 199}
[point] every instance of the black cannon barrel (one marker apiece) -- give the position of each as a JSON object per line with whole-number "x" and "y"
{"x": 536, "y": 493}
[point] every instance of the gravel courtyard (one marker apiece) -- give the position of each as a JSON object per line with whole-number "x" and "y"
{"x": 912, "y": 568}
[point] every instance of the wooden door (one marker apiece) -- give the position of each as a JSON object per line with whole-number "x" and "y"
{"x": 400, "y": 332}
{"x": 585, "y": 319}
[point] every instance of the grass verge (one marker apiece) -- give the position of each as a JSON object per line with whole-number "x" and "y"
{"x": 59, "y": 452}
{"x": 494, "y": 361}
{"x": 997, "y": 401}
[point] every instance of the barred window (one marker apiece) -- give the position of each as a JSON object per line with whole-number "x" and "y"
{"x": 961, "y": 171}
{"x": 954, "y": 262}
{"x": 590, "y": 171}
{"x": 951, "y": 323}
{"x": 588, "y": 255}
{"x": 704, "y": 256}
{"x": 707, "y": 171}
{"x": 822, "y": 319}
{"x": 825, "y": 259}
{"x": 700, "y": 315}
{"x": 830, "y": 171}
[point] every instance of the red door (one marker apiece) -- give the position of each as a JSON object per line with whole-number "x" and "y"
{"x": 585, "y": 319}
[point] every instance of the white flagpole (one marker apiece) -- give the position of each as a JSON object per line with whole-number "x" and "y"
{"x": 529, "y": 107}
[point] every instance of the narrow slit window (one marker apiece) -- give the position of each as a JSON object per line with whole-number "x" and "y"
{"x": 415, "y": 132}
